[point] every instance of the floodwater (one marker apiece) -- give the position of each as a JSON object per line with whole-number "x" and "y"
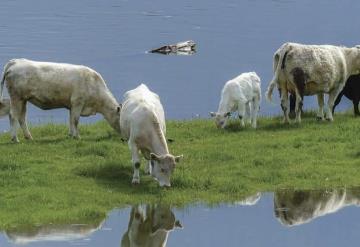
{"x": 113, "y": 36}
{"x": 284, "y": 218}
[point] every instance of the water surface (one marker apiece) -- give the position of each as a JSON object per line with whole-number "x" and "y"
{"x": 113, "y": 36}
{"x": 284, "y": 218}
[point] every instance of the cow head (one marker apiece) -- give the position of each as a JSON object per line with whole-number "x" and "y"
{"x": 150, "y": 225}
{"x": 220, "y": 118}
{"x": 113, "y": 117}
{"x": 162, "y": 166}
{"x": 163, "y": 219}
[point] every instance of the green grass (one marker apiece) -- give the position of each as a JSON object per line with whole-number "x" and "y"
{"x": 57, "y": 179}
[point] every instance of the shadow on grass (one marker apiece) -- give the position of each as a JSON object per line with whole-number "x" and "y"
{"x": 278, "y": 126}
{"x": 235, "y": 127}
{"x": 118, "y": 178}
{"x": 45, "y": 141}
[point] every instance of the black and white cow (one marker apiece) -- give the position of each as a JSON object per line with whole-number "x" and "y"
{"x": 312, "y": 69}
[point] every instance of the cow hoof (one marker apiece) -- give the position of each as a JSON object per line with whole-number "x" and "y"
{"x": 15, "y": 140}
{"x": 135, "y": 181}
{"x": 329, "y": 119}
{"x": 29, "y": 138}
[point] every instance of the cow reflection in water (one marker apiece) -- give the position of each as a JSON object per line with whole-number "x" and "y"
{"x": 71, "y": 232}
{"x": 149, "y": 226}
{"x": 299, "y": 207}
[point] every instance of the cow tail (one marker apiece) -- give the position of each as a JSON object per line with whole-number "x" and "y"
{"x": 277, "y": 69}
{"x": 2, "y": 85}
{"x": 270, "y": 89}
{"x": 4, "y": 74}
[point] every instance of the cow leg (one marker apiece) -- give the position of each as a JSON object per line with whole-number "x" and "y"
{"x": 148, "y": 167}
{"x": 331, "y": 100}
{"x": 356, "y": 107}
{"x": 292, "y": 100}
{"x": 299, "y": 77}
{"x": 298, "y": 107}
{"x": 241, "y": 112}
{"x": 248, "y": 114}
{"x": 320, "y": 113}
{"x": 13, "y": 128}
{"x": 285, "y": 105}
{"x": 254, "y": 111}
{"x": 75, "y": 112}
{"x": 18, "y": 109}
{"x": 135, "y": 159}
{"x": 337, "y": 101}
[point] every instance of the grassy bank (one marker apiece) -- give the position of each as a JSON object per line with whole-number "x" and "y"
{"x": 58, "y": 179}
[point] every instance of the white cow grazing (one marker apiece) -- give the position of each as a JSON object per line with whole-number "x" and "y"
{"x": 142, "y": 122}
{"x": 240, "y": 94}
{"x": 57, "y": 85}
{"x": 312, "y": 69}
{"x": 149, "y": 226}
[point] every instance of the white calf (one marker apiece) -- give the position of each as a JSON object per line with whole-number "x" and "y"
{"x": 241, "y": 94}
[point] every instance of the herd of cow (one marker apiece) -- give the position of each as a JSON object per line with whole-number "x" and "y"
{"x": 299, "y": 70}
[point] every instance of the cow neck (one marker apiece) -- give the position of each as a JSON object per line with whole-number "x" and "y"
{"x": 159, "y": 145}
{"x": 108, "y": 104}
{"x": 223, "y": 106}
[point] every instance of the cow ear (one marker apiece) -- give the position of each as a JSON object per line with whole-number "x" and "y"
{"x": 154, "y": 157}
{"x": 228, "y": 114}
{"x": 178, "y": 224}
{"x": 178, "y": 158}
{"x": 212, "y": 114}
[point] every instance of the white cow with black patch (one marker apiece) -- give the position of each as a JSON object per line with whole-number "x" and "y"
{"x": 312, "y": 69}
{"x": 300, "y": 207}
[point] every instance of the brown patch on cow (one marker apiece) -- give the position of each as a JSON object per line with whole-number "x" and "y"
{"x": 299, "y": 79}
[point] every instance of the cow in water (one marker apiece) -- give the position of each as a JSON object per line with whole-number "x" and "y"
{"x": 57, "y": 85}
{"x": 299, "y": 207}
{"x": 52, "y": 233}
{"x": 149, "y": 226}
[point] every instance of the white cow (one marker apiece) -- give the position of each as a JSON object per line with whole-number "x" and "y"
{"x": 149, "y": 226}
{"x": 57, "y": 85}
{"x": 142, "y": 122}
{"x": 240, "y": 94}
{"x": 312, "y": 69}
{"x": 300, "y": 207}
